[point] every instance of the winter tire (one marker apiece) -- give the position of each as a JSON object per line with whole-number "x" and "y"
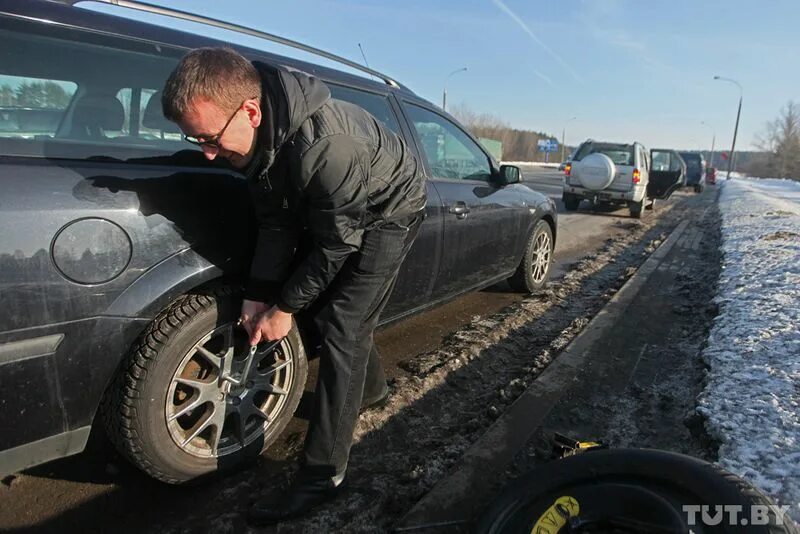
{"x": 636, "y": 208}
{"x": 533, "y": 269}
{"x": 571, "y": 202}
{"x": 630, "y": 490}
{"x": 180, "y": 406}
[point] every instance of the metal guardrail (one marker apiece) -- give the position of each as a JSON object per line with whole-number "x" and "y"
{"x": 184, "y": 15}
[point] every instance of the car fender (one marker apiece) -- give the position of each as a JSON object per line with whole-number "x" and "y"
{"x": 172, "y": 277}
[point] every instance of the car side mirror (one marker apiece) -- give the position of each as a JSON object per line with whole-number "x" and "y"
{"x": 509, "y": 174}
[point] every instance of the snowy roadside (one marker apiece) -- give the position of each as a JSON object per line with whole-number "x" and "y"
{"x": 752, "y": 397}
{"x": 533, "y": 164}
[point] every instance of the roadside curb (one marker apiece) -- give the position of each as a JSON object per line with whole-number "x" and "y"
{"x": 452, "y": 501}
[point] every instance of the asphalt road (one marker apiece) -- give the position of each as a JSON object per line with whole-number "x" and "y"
{"x": 98, "y": 491}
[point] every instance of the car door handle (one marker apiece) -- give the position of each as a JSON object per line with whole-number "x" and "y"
{"x": 459, "y": 209}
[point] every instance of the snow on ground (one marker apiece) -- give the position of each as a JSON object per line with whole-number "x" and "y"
{"x": 533, "y": 164}
{"x": 752, "y": 397}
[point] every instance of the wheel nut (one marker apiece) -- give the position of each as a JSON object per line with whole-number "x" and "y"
{"x": 221, "y": 396}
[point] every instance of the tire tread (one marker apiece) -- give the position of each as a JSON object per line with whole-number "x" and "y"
{"x": 118, "y": 405}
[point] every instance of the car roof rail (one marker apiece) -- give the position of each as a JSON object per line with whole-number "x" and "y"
{"x": 184, "y": 15}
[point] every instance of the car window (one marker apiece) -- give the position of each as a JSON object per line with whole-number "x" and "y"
{"x": 449, "y": 151}
{"x": 676, "y": 163}
{"x": 665, "y": 161}
{"x": 693, "y": 161}
{"x": 71, "y": 107}
{"x": 619, "y": 154}
{"x": 135, "y": 122}
{"x": 31, "y": 107}
{"x": 377, "y": 105}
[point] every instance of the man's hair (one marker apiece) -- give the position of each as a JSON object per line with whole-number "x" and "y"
{"x": 219, "y": 75}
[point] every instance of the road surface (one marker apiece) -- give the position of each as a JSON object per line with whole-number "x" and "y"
{"x": 98, "y": 491}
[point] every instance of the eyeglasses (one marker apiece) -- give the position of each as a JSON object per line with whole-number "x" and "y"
{"x": 213, "y": 141}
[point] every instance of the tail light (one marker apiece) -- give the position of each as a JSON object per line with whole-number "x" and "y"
{"x": 567, "y": 169}
{"x": 637, "y": 176}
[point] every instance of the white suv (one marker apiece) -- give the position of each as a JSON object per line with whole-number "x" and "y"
{"x": 621, "y": 173}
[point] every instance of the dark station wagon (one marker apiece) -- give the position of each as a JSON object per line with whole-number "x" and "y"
{"x": 122, "y": 250}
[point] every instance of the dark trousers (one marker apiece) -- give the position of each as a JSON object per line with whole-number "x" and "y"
{"x": 346, "y": 324}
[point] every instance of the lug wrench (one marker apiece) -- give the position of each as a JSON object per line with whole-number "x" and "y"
{"x": 249, "y": 363}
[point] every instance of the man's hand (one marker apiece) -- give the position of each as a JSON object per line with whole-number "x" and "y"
{"x": 251, "y": 309}
{"x": 271, "y": 325}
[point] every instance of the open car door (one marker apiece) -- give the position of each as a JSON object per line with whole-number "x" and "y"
{"x": 667, "y": 174}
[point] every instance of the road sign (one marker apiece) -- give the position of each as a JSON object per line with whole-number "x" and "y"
{"x": 547, "y": 145}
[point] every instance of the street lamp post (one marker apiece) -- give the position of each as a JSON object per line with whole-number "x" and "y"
{"x": 444, "y": 89}
{"x": 732, "y": 159}
{"x": 563, "y": 133}
{"x": 713, "y": 141}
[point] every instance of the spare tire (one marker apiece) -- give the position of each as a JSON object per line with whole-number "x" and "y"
{"x": 632, "y": 491}
{"x": 595, "y": 171}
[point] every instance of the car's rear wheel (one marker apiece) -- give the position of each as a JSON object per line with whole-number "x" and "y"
{"x": 636, "y": 208}
{"x": 571, "y": 202}
{"x": 181, "y": 408}
{"x": 534, "y": 268}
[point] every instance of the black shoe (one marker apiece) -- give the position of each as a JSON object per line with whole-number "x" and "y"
{"x": 305, "y": 493}
{"x": 377, "y": 401}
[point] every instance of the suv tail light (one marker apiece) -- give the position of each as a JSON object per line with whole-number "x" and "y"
{"x": 637, "y": 176}
{"x": 568, "y": 169}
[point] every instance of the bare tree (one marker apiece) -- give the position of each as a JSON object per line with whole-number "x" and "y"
{"x": 781, "y": 141}
{"x": 518, "y": 145}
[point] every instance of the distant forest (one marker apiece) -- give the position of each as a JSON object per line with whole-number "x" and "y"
{"x": 518, "y": 145}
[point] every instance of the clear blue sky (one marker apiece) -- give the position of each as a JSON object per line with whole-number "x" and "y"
{"x": 627, "y": 69}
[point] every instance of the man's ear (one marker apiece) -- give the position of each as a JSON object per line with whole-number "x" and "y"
{"x": 253, "y": 110}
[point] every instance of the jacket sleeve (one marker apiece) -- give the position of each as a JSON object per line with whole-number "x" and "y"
{"x": 276, "y": 241}
{"x": 334, "y": 172}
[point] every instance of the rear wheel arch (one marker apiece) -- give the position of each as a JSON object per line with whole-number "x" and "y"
{"x": 548, "y": 218}
{"x": 194, "y": 285}
{"x": 168, "y": 280}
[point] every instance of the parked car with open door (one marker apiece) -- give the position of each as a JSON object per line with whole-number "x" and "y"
{"x": 696, "y": 171}
{"x": 621, "y": 174}
{"x": 668, "y": 173}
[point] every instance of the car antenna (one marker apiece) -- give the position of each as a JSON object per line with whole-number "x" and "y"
{"x": 365, "y": 58}
{"x": 185, "y": 15}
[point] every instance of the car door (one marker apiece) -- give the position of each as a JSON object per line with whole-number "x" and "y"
{"x": 482, "y": 220}
{"x": 414, "y": 282}
{"x": 666, "y": 173}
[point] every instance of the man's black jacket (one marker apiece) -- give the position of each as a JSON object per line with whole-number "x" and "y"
{"x": 324, "y": 167}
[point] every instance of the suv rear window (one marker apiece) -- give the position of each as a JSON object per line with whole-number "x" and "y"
{"x": 619, "y": 154}
{"x": 692, "y": 160}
